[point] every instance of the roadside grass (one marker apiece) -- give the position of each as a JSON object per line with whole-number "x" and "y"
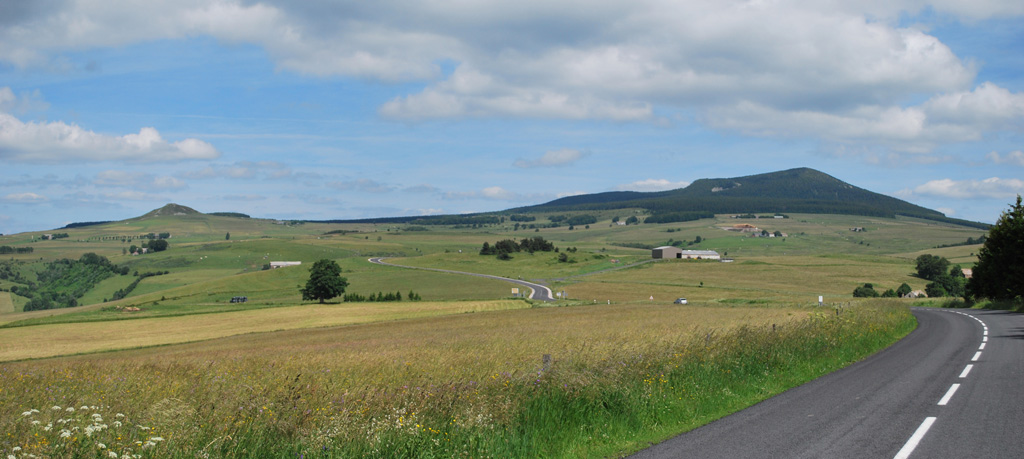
{"x": 464, "y": 385}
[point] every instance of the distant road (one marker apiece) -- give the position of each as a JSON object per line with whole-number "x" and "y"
{"x": 950, "y": 389}
{"x": 537, "y": 291}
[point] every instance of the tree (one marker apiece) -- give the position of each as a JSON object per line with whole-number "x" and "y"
{"x": 867, "y": 291}
{"x": 931, "y": 266}
{"x": 325, "y": 281}
{"x": 903, "y": 290}
{"x": 158, "y": 245}
{"x": 999, "y": 272}
{"x": 227, "y": 236}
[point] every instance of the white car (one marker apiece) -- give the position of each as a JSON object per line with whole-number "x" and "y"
{"x": 680, "y": 301}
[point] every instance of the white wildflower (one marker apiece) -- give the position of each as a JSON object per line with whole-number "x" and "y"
{"x": 15, "y": 449}
{"x": 101, "y": 446}
{"x": 118, "y": 415}
{"x": 70, "y": 409}
{"x": 48, "y": 427}
{"x": 35, "y": 423}
{"x": 26, "y": 413}
{"x": 156, "y": 438}
{"x": 117, "y": 423}
{"x": 65, "y": 433}
{"x": 89, "y": 430}
{"x": 55, "y": 408}
{"x": 112, "y": 455}
{"x": 84, "y": 407}
{"x": 11, "y": 456}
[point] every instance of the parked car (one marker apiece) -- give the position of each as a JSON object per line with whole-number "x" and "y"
{"x": 680, "y": 301}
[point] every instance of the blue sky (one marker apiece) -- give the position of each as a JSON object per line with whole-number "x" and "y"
{"x": 328, "y": 109}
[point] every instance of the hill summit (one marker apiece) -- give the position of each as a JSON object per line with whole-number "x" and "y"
{"x": 172, "y": 210}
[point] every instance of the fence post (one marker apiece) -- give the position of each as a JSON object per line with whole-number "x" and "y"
{"x": 546, "y": 362}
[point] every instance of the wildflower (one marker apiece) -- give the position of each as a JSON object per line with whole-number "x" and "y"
{"x": 27, "y": 413}
{"x": 156, "y": 438}
{"x": 112, "y": 455}
{"x": 84, "y": 407}
{"x": 55, "y": 408}
{"x": 15, "y": 449}
{"x": 35, "y": 423}
{"x": 11, "y": 456}
{"x": 70, "y": 409}
{"x": 101, "y": 446}
{"x": 117, "y": 423}
{"x": 119, "y": 415}
{"x": 65, "y": 433}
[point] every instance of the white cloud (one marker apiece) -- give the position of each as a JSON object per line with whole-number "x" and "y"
{"x": 552, "y": 158}
{"x": 366, "y": 185}
{"x": 994, "y": 187}
{"x": 838, "y": 71}
{"x": 953, "y": 117}
{"x": 244, "y": 197}
{"x": 493, "y": 193}
{"x": 26, "y": 102}
{"x": 652, "y": 185}
{"x": 267, "y": 170}
{"x": 139, "y": 180}
{"x": 1015, "y": 158}
{"x": 24, "y": 198}
{"x": 57, "y": 142}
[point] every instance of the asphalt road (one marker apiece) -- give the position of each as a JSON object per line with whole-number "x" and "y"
{"x": 537, "y": 291}
{"x": 953, "y": 388}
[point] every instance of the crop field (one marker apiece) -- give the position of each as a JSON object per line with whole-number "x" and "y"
{"x": 63, "y": 339}
{"x": 468, "y": 384}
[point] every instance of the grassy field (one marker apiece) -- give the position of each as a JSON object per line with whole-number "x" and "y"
{"x": 6, "y": 304}
{"x": 460, "y": 373}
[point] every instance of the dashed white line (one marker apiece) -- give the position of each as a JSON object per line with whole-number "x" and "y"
{"x": 911, "y": 444}
{"x": 949, "y": 394}
{"x": 967, "y": 369}
{"x": 977, "y": 355}
{"x": 982, "y": 346}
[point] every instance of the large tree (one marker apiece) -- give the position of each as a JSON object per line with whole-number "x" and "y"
{"x": 931, "y": 267}
{"x": 325, "y": 281}
{"x": 999, "y": 273}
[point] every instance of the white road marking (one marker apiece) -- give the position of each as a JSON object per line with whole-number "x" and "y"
{"x": 967, "y": 369}
{"x": 977, "y": 356}
{"x": 949, "y": 394}
{"x": 984, "y": 339}
{"x": 915, "y": 439}
{"x": 982, "y": 346}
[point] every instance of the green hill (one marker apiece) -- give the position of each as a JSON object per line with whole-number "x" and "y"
{"x": 801, "y": 190}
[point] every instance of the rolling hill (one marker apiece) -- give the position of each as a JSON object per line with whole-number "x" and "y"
{"x": 801, "y": 190}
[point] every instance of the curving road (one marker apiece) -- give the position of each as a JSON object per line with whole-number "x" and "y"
{"x": 537, "y": 291}
{"x": 952, "y": 388}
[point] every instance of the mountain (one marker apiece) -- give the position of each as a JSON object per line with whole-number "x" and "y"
{"x": 800, "y": 190}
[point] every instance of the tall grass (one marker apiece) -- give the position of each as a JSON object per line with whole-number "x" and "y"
{"x": 604, "y": 396}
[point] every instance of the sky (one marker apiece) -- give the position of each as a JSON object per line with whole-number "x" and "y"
{"x": 352, "y": 109}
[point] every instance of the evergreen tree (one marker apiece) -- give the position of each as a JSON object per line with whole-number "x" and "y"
{"x": 999, "y": 273}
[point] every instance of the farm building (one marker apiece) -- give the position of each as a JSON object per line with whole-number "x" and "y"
{"x": 282, "y": 264}
{"x": 669, "y": 251}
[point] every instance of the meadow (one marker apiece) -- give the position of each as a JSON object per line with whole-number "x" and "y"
{"x": 175, "y": 369}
